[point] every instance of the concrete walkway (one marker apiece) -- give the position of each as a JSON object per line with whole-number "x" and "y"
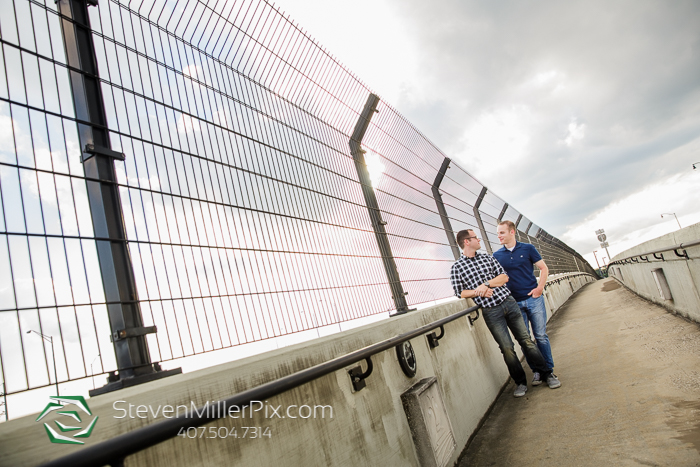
{"x": 630, "y": 391}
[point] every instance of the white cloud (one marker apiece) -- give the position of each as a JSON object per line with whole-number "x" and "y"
{"x": 637, "y": 217}
{"x": 577, "y": 131}
{"x": 496, "y": 140}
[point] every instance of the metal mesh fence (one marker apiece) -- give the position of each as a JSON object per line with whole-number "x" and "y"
{"x": 242, "y": 206}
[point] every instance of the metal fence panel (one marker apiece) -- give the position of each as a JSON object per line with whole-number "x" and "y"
{"x": 244, "y": 216}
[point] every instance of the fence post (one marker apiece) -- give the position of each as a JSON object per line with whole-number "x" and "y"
{"x": 503, "y": 212}
{"x": 134, "y": 364}
{"x": 358, "y": 154}
{"x": 477, "y": 215}
{"x": 446, "y": 224}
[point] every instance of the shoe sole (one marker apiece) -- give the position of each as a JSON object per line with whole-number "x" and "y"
{"x": 536, "y": 383}
{"x": 554, "y": 386}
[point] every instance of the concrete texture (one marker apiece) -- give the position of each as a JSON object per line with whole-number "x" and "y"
{"x": 368, "y": 427}
{"x": 630, "y": 391}
{"x": 682, "y": 275}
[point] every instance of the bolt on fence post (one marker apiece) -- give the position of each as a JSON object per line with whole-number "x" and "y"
{"x": 358, "y": 155}
{"x": 446, "y": 224}
{"x": 477, "y": 215}
{"x": 128, "y": 333}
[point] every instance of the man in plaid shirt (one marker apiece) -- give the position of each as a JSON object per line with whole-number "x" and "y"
{"x": 482, "y": 278}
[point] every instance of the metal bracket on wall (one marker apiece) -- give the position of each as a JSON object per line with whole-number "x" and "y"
{"x": 681, "y": 255}
{"x": 434, "y": 338}
{"x": 357, "y": 376}
{"x": 472, "y": 320}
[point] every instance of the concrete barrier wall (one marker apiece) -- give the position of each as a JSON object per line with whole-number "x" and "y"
{"x": 368, "y": 427}
{"x": 683, "y": 276}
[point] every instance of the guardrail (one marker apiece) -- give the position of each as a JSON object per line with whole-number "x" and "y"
{"x": 664, "y": 275}
{"x": 114, "y": 451}
{"x": 645, "y": 256}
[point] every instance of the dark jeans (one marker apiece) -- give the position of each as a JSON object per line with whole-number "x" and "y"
{"x": 506, "y": 316}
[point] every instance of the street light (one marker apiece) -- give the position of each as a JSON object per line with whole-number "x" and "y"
{"x": 672, "y": 214}
{"x": 604, "y": 258}
{"x": 596, "y": 258}
{"x": 50, "y": 339}
{"x": 92, "y": 372}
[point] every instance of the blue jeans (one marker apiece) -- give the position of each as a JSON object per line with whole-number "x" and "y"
{"x": 506, "y": 316}
{"x": 535, "y": 313}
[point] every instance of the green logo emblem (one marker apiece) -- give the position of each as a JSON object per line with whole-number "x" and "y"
{"x": 72, "y": 418}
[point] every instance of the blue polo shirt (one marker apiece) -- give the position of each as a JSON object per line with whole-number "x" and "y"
{"x": 519, "y": 264}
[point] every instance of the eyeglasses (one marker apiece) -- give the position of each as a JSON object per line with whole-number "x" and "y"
{"x": 472, "y": 238}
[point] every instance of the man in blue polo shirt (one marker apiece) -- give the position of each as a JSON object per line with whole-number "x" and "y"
{"x": 519, "y": 260}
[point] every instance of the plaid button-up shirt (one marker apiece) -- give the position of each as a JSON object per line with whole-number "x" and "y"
{"x": 470, "y": 273}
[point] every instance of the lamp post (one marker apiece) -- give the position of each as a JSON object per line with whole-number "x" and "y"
{"x": 92, "y": 372}
{"x": 50, "y": 339}
{"x": 604, "y": 258}
{"x": 672, "y": 214}
{"x": 596, "y": 258}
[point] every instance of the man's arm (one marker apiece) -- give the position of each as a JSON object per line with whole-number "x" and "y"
{"x": 486, "y": 289}
{"x": 544, "y": 273}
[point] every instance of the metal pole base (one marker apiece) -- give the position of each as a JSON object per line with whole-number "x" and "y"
{"x": 114, "y": 382}
{"x": 402, "y": 312}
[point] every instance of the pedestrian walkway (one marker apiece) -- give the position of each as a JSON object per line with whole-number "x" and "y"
{"x": 630, "y": 391}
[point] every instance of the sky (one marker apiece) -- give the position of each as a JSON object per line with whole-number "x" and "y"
{"x": 583, "y": 115}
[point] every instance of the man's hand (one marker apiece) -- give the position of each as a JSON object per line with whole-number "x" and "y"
{"x": 536, "y": 292}
{"x": 482, "y": 291}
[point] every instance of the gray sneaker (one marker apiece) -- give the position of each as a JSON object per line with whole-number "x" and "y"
{"x": 536, "y": 379}
{"x": 553, "y": 382}
{"x": 520, "y": 390}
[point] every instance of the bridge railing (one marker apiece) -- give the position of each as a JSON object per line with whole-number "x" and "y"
{"x": 178, "y": 178}
{"x": 664, "y": 270}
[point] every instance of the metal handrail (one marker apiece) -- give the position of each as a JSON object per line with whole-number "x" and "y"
{"x": 568, "y": 275}
{"x": 654, "y": 252}
{"x": 113, "y": 451}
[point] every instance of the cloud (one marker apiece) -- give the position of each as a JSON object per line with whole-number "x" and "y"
{"x": 577, "y": 131}
{"x": 637, "y": 218}
{"x": 560, "y": 108}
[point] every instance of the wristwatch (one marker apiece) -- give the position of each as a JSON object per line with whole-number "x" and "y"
{"x": 487, "y": 285}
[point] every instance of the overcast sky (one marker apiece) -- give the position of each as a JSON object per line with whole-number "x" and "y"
{"x": 582, "y": 114}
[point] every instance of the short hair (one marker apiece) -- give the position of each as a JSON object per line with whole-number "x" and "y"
{"x": 509, "y": 224}
{"x": 462, "y": 235}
